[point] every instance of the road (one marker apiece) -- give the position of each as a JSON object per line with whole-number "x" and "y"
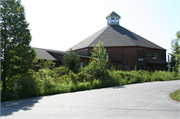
{"x": 148, "y": 100}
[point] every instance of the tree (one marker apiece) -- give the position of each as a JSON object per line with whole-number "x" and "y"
{"x": 175, "y": 55}
{"x": 71, "y": 60}
{"x": 98, "y": 65}
{"x": 99, "y": 56}
{"x": 45, "y": 63}
{"x": 17, "y": 57}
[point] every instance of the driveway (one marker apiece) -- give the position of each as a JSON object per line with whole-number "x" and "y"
{"x": 136, "y": 101}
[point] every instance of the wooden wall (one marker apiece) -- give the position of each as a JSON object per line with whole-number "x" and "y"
{"x": 126, "y": 56}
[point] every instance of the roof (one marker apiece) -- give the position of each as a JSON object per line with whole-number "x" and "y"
{"x": 151, "y": 61}
{"x": 48, "y": 54}
{"x": 51, "y": 54}
{"x": 116, "y": 36}
{"x": 113, "y": 14}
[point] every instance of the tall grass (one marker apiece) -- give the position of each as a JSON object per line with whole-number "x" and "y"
{"x": 71, "y": 82}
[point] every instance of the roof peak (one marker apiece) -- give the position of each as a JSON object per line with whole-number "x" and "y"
{"x": 113, "y": 14}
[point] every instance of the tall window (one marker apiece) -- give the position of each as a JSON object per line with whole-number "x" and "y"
{"x": 148, "y": 55}
{"x": 155, "y": 55}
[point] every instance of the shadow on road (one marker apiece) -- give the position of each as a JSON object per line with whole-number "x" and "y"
{"x": 117, "y": 87}
{"x": 8, "y": 108}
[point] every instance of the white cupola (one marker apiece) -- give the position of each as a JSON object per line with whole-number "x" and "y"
{"x": 113, "y": 19}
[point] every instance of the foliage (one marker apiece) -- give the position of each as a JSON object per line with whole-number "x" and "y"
{"x": 17, "y": 57}
{"x": 47, "y": 79}
{"x": 62, "y": 70}
{"x": 45, "y": 63}
{"x": 175, "y": 95}
{"x": 71, "y": 61}
{"x": 99, "y": 57}
{"x": 98, "y": 65}
{"x": 73, "y": 77}
{"x": 175, "y": 55}
{"x": 29, "y": 84}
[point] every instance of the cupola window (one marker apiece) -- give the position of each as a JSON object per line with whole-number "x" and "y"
{"x": 113, "y": 19}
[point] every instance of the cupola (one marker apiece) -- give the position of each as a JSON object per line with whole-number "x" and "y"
{"x": 113, "y": 19}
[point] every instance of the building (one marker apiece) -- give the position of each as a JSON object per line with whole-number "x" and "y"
{"x": 126, "y": 49}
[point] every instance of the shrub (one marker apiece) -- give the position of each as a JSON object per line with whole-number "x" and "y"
{"x": 62, "y": 70}
{"x": 83, "y": 86}
{"x": 47, "y": 80}
{"x": 73, "y": 77}
{"x": 96, "y": 83}
{"x": 81, "y": 76}
{"x": 7, "y": 95}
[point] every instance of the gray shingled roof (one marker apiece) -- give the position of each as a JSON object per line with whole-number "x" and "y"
{"x": 116, "y": 36}
{"x": 48, "y": 54}
{"x": 113, "y": 14}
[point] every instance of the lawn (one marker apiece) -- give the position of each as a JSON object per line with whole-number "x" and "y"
{"x": 175, "y": 95}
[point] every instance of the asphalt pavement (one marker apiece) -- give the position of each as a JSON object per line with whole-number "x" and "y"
{"x": 148, "y": 100}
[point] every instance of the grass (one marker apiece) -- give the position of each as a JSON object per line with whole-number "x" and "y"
{"x": 175, "y": 95}
{"x": 72, "y": 83}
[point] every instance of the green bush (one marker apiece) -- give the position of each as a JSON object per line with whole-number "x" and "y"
{"x": 96, "y": 83}
{"x": 62, "y": 70}
{"x": 47, "y": 80}
{"x": 83, "y": 86}
{"x": 8, "y": 95}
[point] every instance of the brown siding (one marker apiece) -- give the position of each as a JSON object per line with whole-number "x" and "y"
{"x": 115, "y": 53}
{"x": 141, "y": 52}
{"x": 130, "y": 56}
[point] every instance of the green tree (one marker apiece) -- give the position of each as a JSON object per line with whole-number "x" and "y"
{"x": 175, "y": 55}
{"x": 71, "y": 61}
{"x": 17, "y": 57}
{"x": 45, "y": 63}
{"x": 98, "y": 65}
{"x": 100, "y": 56}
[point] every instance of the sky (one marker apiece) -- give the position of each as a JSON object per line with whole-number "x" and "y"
{"x": 61, "y": 24}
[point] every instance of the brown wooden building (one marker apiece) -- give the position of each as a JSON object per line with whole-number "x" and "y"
{"x": 126, "y": 49}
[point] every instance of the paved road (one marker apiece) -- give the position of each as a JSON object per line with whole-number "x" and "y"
{"x": 136, "y": 101}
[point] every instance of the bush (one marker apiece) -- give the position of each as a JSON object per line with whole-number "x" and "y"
{"x": 8, "y": 95}
{"x": 73, "y": 77}
{"x": 47, "y": 80}
{"x": 62, "y": 70}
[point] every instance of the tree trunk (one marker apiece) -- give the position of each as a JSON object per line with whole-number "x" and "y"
{"x": 4, "y": 79}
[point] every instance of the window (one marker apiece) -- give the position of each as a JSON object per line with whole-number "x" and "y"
{"x": 81, "y": 64}
{"x": 148, "y": 55}
{"x": 109, "y": 20}
{"x": 120, "y": 67}
{"x": 87, "y": 63}
{"x": 140, "y": 59}
{"x": 155, "y": 55}
{"x": 117, "y": 19}
{"x": 141, "y": 67}
{"x": 113, "y": 19}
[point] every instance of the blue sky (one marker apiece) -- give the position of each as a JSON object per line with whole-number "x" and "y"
{"x": 60, "y": 24}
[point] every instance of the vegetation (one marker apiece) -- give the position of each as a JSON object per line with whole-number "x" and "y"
{"x": 175, "y": 55}
{"x": 17, "y": 57}
{"x": 175, "y": 95}
{"x": 71, "y": 61}
{"x": 46, "y": 81}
